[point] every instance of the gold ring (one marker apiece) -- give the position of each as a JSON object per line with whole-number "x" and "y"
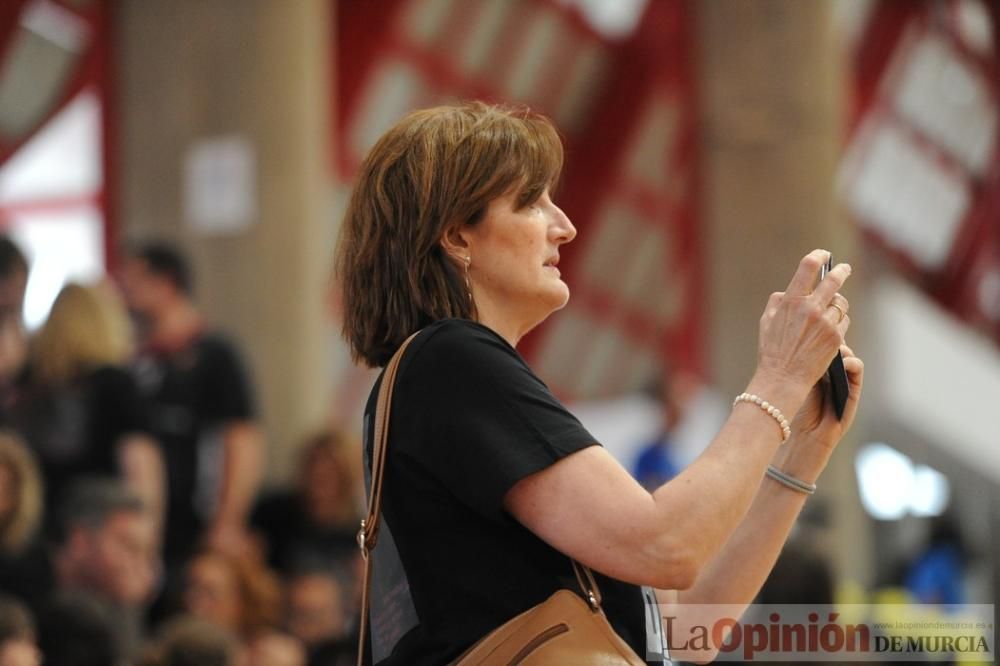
{"x": 840, "y": 310}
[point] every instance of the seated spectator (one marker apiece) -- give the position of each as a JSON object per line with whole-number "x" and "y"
{"x": 107, "y": 549}
{"x": 317, "y": 612}
{"x": 24, "y": 570}
{"x": 314, "y": 607}
{"x": 190, "y": 641}
{"x": 81, "y": 413}
{"x": 17, "y": 635}
{"x": 78, "y": 629}
{"x": 274, "y": 649}
{"x": 233, "y": 592}
{"x": 240, "y": 595}
{"x": 318, "y": 520}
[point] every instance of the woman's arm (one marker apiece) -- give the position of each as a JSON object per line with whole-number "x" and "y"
{"x": 587, "y": 506}
{"x": 734, "y": 577}
{"x": 142, "y": 468}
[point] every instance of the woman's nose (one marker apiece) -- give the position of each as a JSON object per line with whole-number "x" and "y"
{"x": 565, "y": 231}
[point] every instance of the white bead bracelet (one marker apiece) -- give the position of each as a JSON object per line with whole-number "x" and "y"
{"x": 774, "y": 412}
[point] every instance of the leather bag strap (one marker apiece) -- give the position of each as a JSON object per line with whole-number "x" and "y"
{"x": 368, "y": 534}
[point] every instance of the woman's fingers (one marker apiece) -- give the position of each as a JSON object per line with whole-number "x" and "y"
{"x": 855, "y": 368}
{"x": 772, "y": 304}
{"x": 841, "y": 302}
{"x": 832, "y": 283}
{"x": 807, "y": 272}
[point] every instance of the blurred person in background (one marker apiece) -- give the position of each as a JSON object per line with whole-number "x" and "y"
{"x": 81, "y": 412}
{"x": 691, "y": 412}
{"x": 13, "y": 335}
{"x": 239, "y": 594}
{"x": 192, "y": 641}
{"x": 655, "y": 463}
{"x": 89, "y": 588}
{"x": 201, "y": 401}
{"x": 451, "y": 231}
{"x": 937, "y": 574}
{"x": 23, "y": 565}
{"x": 20, "y": 495}
{"x": 17, "y": 635}
{"x": 107, "y": 549}
{"x": 801, "y": 575}
{"x": 316, "y": 521}
{"x": 232, "y": 591}
{"x": 276, "y": 650}
{"x": 80, "y": 629}
{"x": 316, "y": 612}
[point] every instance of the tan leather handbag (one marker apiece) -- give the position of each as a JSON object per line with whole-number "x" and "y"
{"x": 564, "y": 629}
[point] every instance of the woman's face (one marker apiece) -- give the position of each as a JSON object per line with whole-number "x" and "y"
{"x": 212, "y": 593}
{"x": 322, "y": 486}
{"x": 515, "y": 281}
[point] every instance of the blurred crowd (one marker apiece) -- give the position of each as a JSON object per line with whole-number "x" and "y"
{"x": 133, "y": 526}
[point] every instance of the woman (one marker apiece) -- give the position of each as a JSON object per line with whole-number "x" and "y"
{"x": 81, "y": 413}
{"x": 318, "y": 518}
{"x": 240, "y": 595}
{"x": 490, "y": 484}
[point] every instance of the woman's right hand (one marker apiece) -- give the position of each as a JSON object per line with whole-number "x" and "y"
{"x": 801, "y": 330}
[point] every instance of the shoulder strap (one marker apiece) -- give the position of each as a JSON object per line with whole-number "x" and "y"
{"x": 368, "y": 534}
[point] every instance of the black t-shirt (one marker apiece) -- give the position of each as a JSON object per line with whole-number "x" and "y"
{"x": 294, "y": 540}
{"x": 469, "y": 420}
{"x": 194, "y": 392}
{"x": 74, "y": 430}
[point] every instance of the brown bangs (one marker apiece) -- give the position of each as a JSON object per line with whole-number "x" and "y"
{"x": 527, "y": 151}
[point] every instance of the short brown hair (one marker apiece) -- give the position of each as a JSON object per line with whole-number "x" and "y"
{"x": 435, "y": 169}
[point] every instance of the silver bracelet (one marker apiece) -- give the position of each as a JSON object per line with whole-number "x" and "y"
{"x": 790, "y": 481}
{"x": 772, "y": 411}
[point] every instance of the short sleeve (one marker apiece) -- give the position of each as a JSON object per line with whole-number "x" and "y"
{"x": 485, "y": 420}
{"x": 229, "y": 393}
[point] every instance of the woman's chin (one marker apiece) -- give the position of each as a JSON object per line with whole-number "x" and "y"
{"x": 560, "y": 296}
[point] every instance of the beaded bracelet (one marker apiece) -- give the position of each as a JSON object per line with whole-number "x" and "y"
{"x": 790, "y": 481}
{"x": 786, "y": 428}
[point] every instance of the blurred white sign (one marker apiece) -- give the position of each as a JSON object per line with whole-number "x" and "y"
{"x": 220, "y": 185}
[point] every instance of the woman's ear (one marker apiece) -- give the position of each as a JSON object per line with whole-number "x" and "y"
{"x": 454, "y": 243}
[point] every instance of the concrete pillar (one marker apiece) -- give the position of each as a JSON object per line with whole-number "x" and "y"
{"x": 772, "y": 107}
{"x": 188, "y": 70}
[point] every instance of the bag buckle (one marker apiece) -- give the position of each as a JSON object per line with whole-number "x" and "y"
{"x": 362, "y": 543}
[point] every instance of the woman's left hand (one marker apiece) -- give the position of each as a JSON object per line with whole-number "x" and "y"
{"x": 816, "y": 420}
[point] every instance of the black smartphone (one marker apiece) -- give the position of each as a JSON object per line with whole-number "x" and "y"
{"x": 836, "y": 371}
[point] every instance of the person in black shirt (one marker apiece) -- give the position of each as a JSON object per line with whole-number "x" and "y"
{"x": 202, "y": 404}
{"x": 80, "y": 411}
{"x": 317, "y": 520}
{"x": 490, "y": 484}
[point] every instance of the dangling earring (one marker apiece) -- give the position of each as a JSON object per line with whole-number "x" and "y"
{"x": 468, "y": 282}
